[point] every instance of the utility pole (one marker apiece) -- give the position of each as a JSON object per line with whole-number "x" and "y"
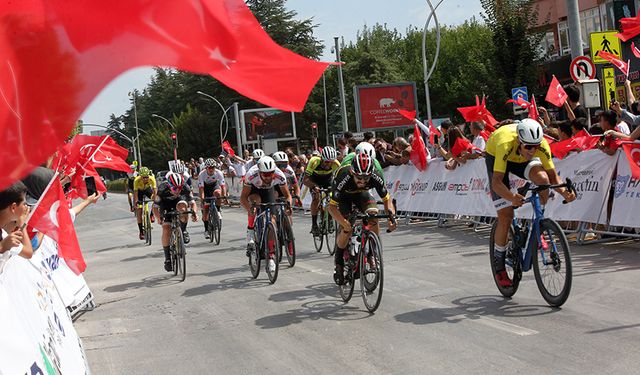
{"x": 573, "y": 20}
{"x": 343, "y": 100}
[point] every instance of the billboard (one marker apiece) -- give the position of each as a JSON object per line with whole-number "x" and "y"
{"x": 377, "y": 105}
{"x": 268, "y": 123}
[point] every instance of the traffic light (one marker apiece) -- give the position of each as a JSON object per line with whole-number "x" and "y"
{"x": 174, "y": 139}
{"x": 314, "y": 130}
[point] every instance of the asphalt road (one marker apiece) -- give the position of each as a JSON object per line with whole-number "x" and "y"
{"x": 440, "y": 313}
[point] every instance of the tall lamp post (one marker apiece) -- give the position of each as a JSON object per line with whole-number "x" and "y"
{"x": 134, "y": 95}
{"x": 343, "y": 101}
{"x": 174, "y": 136}
{"x": 224, "y": 115}
{"x": 429, "y": 71}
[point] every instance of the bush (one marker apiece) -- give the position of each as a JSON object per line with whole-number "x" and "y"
{"x": 117, "y": 186}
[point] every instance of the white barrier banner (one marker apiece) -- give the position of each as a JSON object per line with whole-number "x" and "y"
{"x": 73, "y": 289}
{"x": 626, "y": 196}
{"x": 37, "y": 335}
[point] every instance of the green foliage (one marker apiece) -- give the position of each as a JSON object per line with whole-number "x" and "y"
{"x": 117, "y": 186}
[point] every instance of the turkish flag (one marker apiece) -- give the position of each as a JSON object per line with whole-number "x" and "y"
{"x": 533, "y": 109}
{"x": 226, "y": 147}
{"x": 57, "y": 56}
{"x": 630, "y": 27}
{"x": 632, "y": 150}
{"x": 78, "y": 187}
{"x": 520, "y": 102}
{"x": 582, "y": 141}
{"x": 418, "y": 153}
{"x": 556, "y": 94}
{"x": 51, "y": 216}
{"x": 409, "y": 115}
{"x": 621, "y": 65}
{"x": 461, "y": 145}
{"x": 433, "y": 132}
{"x": 97, "y": 151}
{"x": 479, "y": 112}
{"x": 635, "y": 50}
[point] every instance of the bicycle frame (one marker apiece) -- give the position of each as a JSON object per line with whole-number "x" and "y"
{"x": 534, "y": 229}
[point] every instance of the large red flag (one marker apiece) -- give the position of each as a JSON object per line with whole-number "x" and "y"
{"x": 533, "y": 109}
{"x": 51, "y": 216}
{"x": 479, "y": 112}
{"x": 582, "y": 141}
{"x": 630, "y": 27}
{"x": 632, "y": 150}
{"x": 58, "y": 55}
{"x": 462, "y": 144}
{"x": 418, "y": 154}
{"x": 433, "y": 132}
{"x": 556, "y": 94}
{"x": 78, "y": 187}
{"x": 226, "y": 147}
{"x": 409, "y": 115}
{"x": 621, "y": 65}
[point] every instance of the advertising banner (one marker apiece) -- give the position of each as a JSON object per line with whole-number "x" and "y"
{"x": 626, "y": 196}
{"x": 377, "y": 105}
{"x": 268, "y": 123}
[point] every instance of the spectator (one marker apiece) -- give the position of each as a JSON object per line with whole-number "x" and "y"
{"x": 574, "y": 109}
{"x": 478, "y": 141}
{"x": 381, "y": 151}
{"x": 452, "y": 160}
{"x": 578, "y": 125}
{"x": 352, "y": 143}
{"x": 369, "y": 137}
{"x": 13, "y": 214}
{"x": 609, "y": 144}
{"x": 400, "y": 152}
{"x": 552, "y": 132}
{"x": 444, "y": 129}
{"x": 342, "y": 146}
{"x": 505, "y": 122}
{"x": 564, "y": 130}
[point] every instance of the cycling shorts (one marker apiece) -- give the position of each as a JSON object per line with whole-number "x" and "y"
{"x": 519, "y": 169}
{"x": 167, "y": 206}
{"x": 267, "y": 195}
{"x": 148, "y": 192}
{"x": 362, "y": 200}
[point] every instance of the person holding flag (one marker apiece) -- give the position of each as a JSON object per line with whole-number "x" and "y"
{"x": 13, "y": 215}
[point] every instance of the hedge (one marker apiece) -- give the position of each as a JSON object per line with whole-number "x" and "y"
{"x": 117, "y": 186}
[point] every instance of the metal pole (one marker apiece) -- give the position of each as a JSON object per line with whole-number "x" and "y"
{"x": 175, "y": 149}
{"x": 343, "y": 101}
{"x": 428, "y": 71}
{"x": 575, "y": 36}
{"x": 326, "y": 114}
{"x": 224, "y": 114}
{"x": 236, "y": 114}
{"x": 135, "y": 117}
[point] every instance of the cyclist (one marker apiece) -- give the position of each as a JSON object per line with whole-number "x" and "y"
{"x": 173, "y": 194}
{"x": 259, "y": 187}
{"x": 282, "y": 162}
{"x": 367, "y": 148}
{"x": 257, "y": 154}
{"x": 351, "y": 187}
{"x": 144, "y": 186}
{"x": 522, "y": 150}
{"x": 210, "y": 184}
{"x": 318, "y": 175}
{"x": 131, "y": 176}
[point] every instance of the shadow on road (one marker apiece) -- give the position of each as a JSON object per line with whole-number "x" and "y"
{"x": 155, "y": 254}
{"x": 311, "y": 291}
{"x": 130, "y": 246}
{"x": 233, "y": 283}
{"x": 588, "y": 260}
{"x": 313, "y": 310}
{"x": 473, "y": 308}
{"x": 147, "y": 282}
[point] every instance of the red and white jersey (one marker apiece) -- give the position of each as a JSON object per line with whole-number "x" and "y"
{"x": 204, "y": 178}
{"x": 291, "y": 175}
{"x": 252, "y": 178}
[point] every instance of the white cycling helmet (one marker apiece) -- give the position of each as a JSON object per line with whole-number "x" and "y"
{"x": 280, "y": 157}
{"x": 266, "y": 164}
{"x": 329, "y": 154}
{"x": 530, "y": 132}
{"x": 258, "y": 153}
{"x": 210, "y": 163}
{"x": 366, "y": 148}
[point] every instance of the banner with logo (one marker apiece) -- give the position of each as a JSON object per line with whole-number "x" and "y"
{"x": 36, "y": 332}
{"x": 73, "y": 289}
{"x": 626, "y": 196}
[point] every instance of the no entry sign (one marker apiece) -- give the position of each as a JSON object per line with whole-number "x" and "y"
{"x": 582, "y": 68}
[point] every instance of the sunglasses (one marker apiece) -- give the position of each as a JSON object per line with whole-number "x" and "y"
{"x": 362, "y": 177}
{"x": 266, "y": 174}
{"x": 281, "y": 166}
{"x": 531, "y": 147}
{"x": 210, "y": 167}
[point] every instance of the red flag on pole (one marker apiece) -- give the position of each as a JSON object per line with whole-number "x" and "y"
{"x": 461, "y": 145}
{"x": 533, "y": 109}
{"x": 409, "y": 115}
{"x": 556, "y": 94}
{"x": 433, "y": 132}
{"x": 582, "y": 141}
{"x": 51, "y": 216}
{"x": 228, "y": 149}
{"x": 635, "y": 50}
{"x": 418, "y": 153}
{"x": 632, "y": 151}
{"x": 621, "y": 65}
{"x": 630, "y": 27}
{"x": 479, "y": 112}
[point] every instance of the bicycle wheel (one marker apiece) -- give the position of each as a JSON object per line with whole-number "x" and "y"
{"x": 271, "y": 251}
{"x": 289, "y": 242}
{"x": 254, "y": 259}
{"x": 346, "y": 290}
{"x": 214, "y": 222}
{"x": 183, "y": 260}
{"x": 513, "y": 264}
{"x": 371, "y": 272}
{"x": 332, "y": 234}
{"x": 319, "y": 238}
{"x": 552, "y": 264}
{"x": 147, "y": 228}
{"x": 174, "y": 252}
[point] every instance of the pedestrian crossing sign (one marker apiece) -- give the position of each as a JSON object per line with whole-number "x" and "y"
{"x": 604, "y": 41}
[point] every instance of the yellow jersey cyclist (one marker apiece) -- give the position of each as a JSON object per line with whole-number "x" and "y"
{"x": 519, "y": 149}
{"x": 143, "y": 186}
{"x": 318, "y": 175}
{"x": 367, "y": 148}
{"x": 350, "y": 188}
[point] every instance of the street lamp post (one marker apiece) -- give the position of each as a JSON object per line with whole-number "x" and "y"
{"x": 224, "y": 115}
{"x": 343, "y": 100}
{"x": 326, "y": 114}
{"x": 134, "y": 96}
{"x": 429, "y": 71}
{"x": 174, "y": 136}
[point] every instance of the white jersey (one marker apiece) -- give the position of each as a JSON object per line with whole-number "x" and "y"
{"x": 291, "y": 175}
{"x": 250, "y": 164}
{"x": 204, "y": 178}
{"x": 253, "y": 179}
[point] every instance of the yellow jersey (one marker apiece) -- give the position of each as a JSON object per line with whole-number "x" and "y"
{"x": 503, "y": 146}
{"x": 140, "y": 184}
{"x": 313, "y": 167}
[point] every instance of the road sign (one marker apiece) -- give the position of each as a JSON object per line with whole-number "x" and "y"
{"x": 609, "y": 85}
{"x": 582, "y": 68}
{"x": 519, "y": 92}
{"x": 604, "y": 41}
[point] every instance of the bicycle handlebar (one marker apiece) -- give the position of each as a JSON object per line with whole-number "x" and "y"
{"x": 176, "y": 213}
{"x": 527, "y": 187}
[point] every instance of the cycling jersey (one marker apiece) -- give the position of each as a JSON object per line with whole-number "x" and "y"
{"x": 140, "y": 184}
{"x": 349, "y": 158}
{"x": 344, "y": 184}
{"x": 253, "y": 179}
{"x": 314, "y": 167}
{"x": 165, "y": 195}
{"x": 503, "y": 146}
{"x": 291, "y": 175}
{"x": 217, "y": 178}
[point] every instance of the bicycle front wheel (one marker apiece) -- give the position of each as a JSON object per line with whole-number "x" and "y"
{"x": 175, "y": 262}
{"x": 332, "y": 232}
{"x": 271, "y": 252}
{"x": 147, "y": 228}
{"x": 289, "y": 242}
{"x": 552, "y": 263}
{"x": 319, "y": 238}
{"x": 346, "y": 289}
{"x": 512, "y": 264}
{"x": 371, "y": 272}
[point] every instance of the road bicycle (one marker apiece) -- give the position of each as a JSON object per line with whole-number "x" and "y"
{"x": 266, "y": 243}
{"x": 285, "y": 234}
{"x": 363, "y": 260}
{"x": 146, "y": 220}
{"x": 541, "y": 243}
{"x": 214, "y": 228}
{"x": 177, "y": 247}
{"x": 327, "y": 228}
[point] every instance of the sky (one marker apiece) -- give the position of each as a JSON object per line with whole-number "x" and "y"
{"x": 341, "y": 18}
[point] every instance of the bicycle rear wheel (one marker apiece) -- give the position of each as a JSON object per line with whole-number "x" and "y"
{"x": 319, "y": 238}
{"x": 346, "y": 290}
{"x": 332, "y": 234}
{"x": 512, "y": 264}
{"x": 214, "y": 222}
{"x": 183, "y": 260}
{"x": 371, "y": 272}
{"x": 147, "y": 228}
{"x": 289, "y": 242}
{"x": 177, "y": 235}
{"x": 552, "y": 265}
{"x": 271, "y": 251}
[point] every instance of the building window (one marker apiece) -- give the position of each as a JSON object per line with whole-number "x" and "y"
{"x": 589, "y": 23}
{"x": 548, "y": 47}
{"x": 563, "y": 38}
